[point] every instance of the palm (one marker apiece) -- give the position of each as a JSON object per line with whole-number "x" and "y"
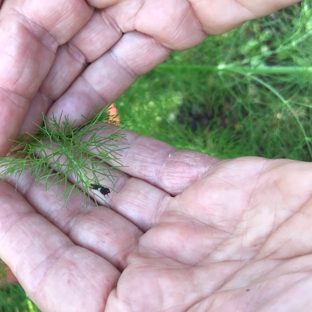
{"x": 65, "y": 57}
{"x": 234, "y": 240}
{"x": 234, "y": 236}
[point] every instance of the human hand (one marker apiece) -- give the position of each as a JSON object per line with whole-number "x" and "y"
{"x": 66, "y": 57}
{"x": 185, "y": 232}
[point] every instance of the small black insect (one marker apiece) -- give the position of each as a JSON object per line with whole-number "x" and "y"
{"x": 102, "y": 189}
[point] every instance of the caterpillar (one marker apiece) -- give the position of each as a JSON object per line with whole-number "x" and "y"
{"x": 102, "y": 189}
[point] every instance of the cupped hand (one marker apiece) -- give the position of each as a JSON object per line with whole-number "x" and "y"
{"x": 184, "y": 232}
{"x": 73, "y": 57}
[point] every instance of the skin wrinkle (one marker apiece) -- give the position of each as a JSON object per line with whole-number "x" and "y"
{"x": 41, "y": 34}
{"x": 276, "y": 5}
{"x": 224, "y": 20}
{"x": 183, "y": 218}
{"x": 203, "y": 297}
{"x": 95, "y": 80}
{"x": 162, "y": 34}
{"x": 45, "y": 96}
{"x": 123, "y": 260}
{"x": 77, "y": 225}
{"x": 230, "y": 276}
{"x": 261, "y": 268}
{"x": 123, "y": 65}
{"x": 257, "y": 186}
{"x": 99, "y": 95}
{"x": 279, "y": 295}
{"x": 134, "y": 204}
{"x": 47, "y": 271}
{"x": 161, "y": 174}
{"x": 67, "y": 18}
{"x": 274, "y": 270}
{"x": 48, "y": 99}
{"x": 12, "y": 94}
{"x": 244, "y": 235}
{"x": 30, "y": 31}
{"x": 181, "y": 25}
{"x": 74, "y": 266}
{"x": 19, "y": 220}
{"x": 226, "y": 242}
{"x": 55, "y": 256}
{"x": 129, "y": 24}
{"x": 162, "y": 204}
{"x": 69, "y": 27}
{"x": 90, "y": 279}
{"x": 139, "y": 37}
{"x": 16, "y": 79}
{"x": 132, "y": 140}
{"x": 87, "y": 54}
{"x": 107, "y": 20}
{"x": 254, "y": 16}
{"x": 273, "y": 231}
{"x": 91, "y": 31}
{"x": 74, "y": 229}
{"x": 173, "y": 156}
{"x": 288, "y": 287}
{"x": 15, "y": 83}
{"x": 263, "y": 240}
{"x": 269, "y": 238}
{"x": 6, "y": 233}
{"x": 76, "y": 54}
{"x": 219, "y": 286}
{"x": 73, "y": 221}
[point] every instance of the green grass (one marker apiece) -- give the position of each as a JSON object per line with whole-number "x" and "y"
{"x": 13, "y": 297}
{"x": 247, "y": 92}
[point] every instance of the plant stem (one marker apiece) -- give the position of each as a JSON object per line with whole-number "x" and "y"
{"x": 228, "y": 69}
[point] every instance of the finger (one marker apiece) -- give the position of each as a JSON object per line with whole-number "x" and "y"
{"x": 71, "y": 59}
{"x": 39, "y": 105}
{"x": 91, "y": 42}
{"x": 96, "y": 228}
{"x": 174, "y": 27}
{"x": 108, "y": 77}
{"x": 136, "y": 200}
{"x": 161, "y": 164}
{"x": 261, "y": 8}
{"x": 218, "y": 17}
{"x": 159, "y": 168}
{"x": 30, "y": 31}
{"x": 53, "y": 271}
{"x": 181, "y": 27}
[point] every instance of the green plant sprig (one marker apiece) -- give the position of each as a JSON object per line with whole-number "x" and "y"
{"x": 60, "y": 153}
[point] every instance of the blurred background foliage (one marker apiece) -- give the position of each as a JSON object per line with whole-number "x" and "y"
{"x": 247, "y": 92}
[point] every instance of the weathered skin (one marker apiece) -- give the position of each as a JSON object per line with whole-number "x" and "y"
{"x": 184, "y": 232}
